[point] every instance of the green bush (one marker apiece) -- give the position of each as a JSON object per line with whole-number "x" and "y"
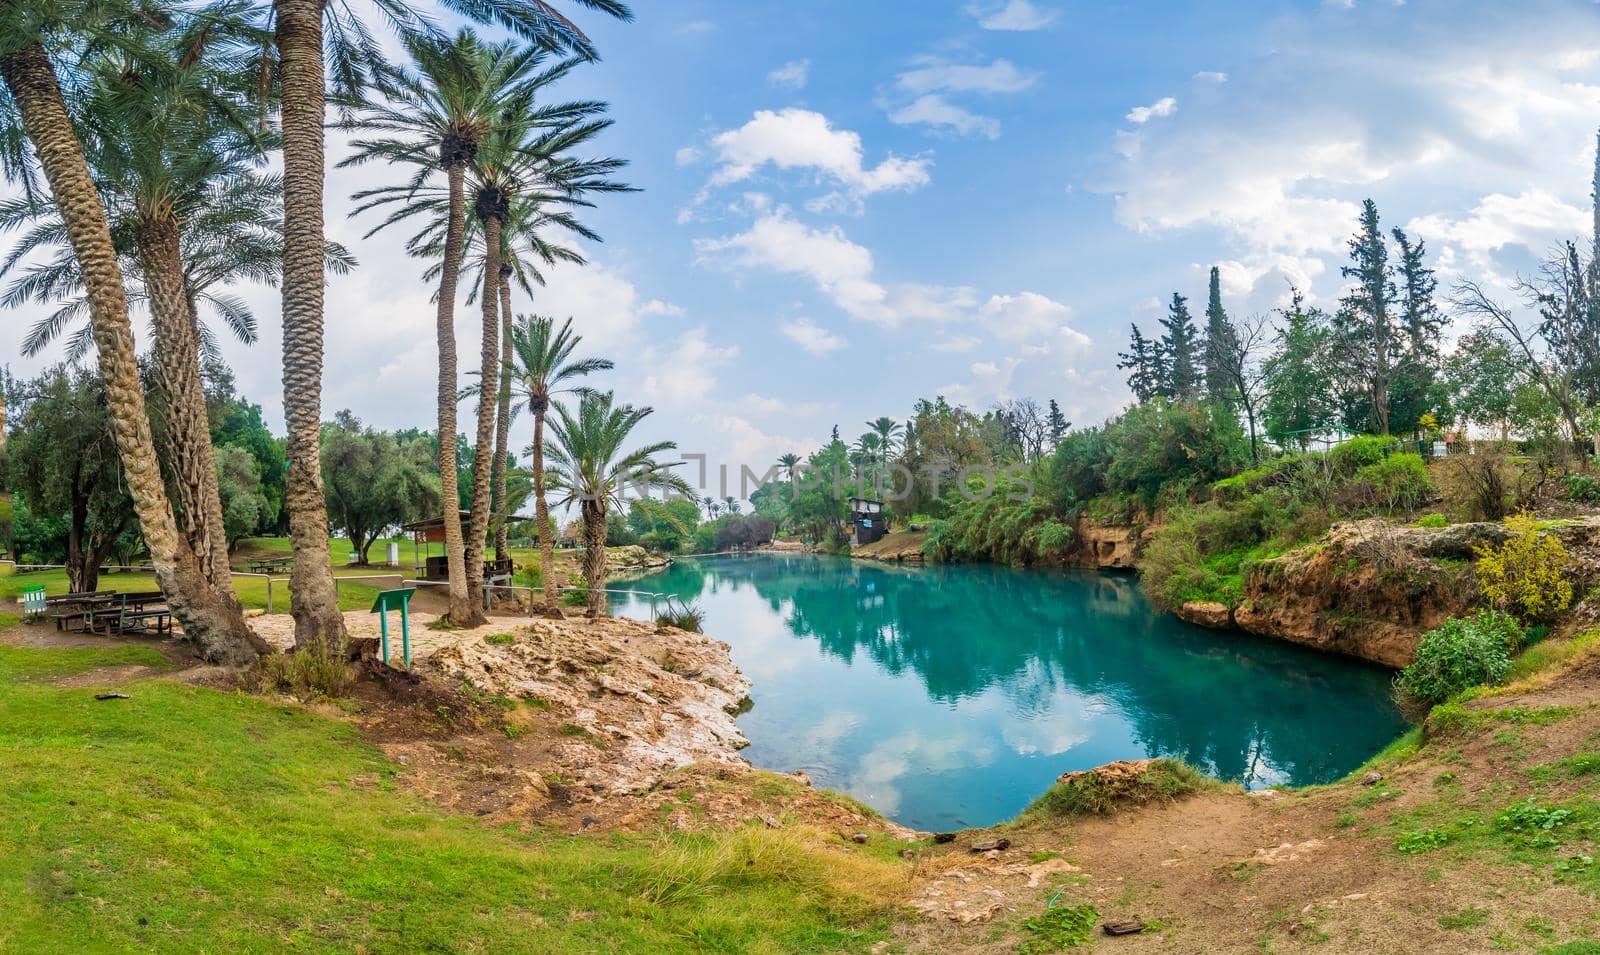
{"x": 1398, "y": 482}
{"x": 1433, "y": 520}
{"x": 1464, "y": 652}
{"x": 1360, "y": 452}
{"x": 1582, "y": 487}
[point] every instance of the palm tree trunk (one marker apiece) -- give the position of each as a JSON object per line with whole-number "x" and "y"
{"x": 461, "y": 607}
{"x": 594, "y": 555}
{"x": 219, "y": 630}
{"x": 314, "y": 600}
{"x": 541, "y": 509}
{"x": 488, "y": 398}
{"x": 502, "y": 424}
{"x": 189, "y": 427}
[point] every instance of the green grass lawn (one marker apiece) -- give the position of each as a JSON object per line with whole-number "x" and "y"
{"x": 252, "y": 591}
{"x": 188, "y": 819}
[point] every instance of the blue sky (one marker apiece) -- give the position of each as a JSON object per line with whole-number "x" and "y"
{"x": 847, "y": 206}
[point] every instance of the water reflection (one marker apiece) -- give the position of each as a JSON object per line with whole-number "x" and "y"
{"x": 952, "y": 695}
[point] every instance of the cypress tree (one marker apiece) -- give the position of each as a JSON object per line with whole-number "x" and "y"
{"x": 1144, "y": 364}
{"x": 1219, "y": 343}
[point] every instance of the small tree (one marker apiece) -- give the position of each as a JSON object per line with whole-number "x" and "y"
{"x": 588, "y": 465}
{"x": 1526, "y": 575}
{"x": 244, "y": 505}
{"x": 373, "y": 481}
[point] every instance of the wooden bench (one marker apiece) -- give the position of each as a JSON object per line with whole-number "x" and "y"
{"x": 69, "y": 607}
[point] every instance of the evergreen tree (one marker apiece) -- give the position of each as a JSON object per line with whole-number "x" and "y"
{"x": 1143, "y": 362}
{"x": 1364, "y": 327}
{"x": 1414, "y": 391}
{"x": 1298, "y": 401}
{"x": 1179, "y": 347}
{"x": 1057, "y": 423}
{"x": 1221, "y": 343}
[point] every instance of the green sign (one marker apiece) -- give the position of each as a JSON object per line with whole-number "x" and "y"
{"x": 395, "y": 600}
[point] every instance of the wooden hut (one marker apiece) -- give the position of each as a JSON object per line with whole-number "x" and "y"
{"x": 867, "y": 522}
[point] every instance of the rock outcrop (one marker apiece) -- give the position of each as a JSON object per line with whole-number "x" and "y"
{"x": 638, "y": 700}
{"x": 1368, "y": 589}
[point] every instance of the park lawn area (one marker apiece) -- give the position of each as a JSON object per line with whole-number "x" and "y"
{"x": 338, "y": 549}
{"x": 190, "y": 819}
{"x": 252, "y": 591}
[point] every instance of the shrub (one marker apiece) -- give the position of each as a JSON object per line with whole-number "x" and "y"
{"x": 1582, "y": 487}
{"x": 1433, "y": 520}
{"x": 1115, "y": 785}
{"x": 1398, "y": 482}
{"x": 1484, "y": 484}
{"x": 689, "y": 617}
{"x": 1461, "y": 653}
{"x": 1359, "y": 452}
{"x": 1526, "y": 575}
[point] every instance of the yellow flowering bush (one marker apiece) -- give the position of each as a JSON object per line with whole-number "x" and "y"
{"x": 1526, "y": 575}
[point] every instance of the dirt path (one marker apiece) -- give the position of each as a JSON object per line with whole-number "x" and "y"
{"x": 1320, "y": 869}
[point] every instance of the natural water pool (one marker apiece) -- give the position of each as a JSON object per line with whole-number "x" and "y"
{"x": 951, "y": 696}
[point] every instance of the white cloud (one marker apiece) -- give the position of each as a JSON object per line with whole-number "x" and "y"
{"x": 840, "y": 268}
{"x": 764, "y": 405}
{"x": 1535, "y": 220}
{"x": 955, "y": 343}
{"x": 681, "y": 376}
{"x": 811, "y": 336}
{"x": 934, "y": 75}
{"x": 936, "y": 111}
{"x": 801, "y": 139}
{"x": 1160, "y": 109}
{"x": 688, "y": 156}
{"x": 1428, "y": 123}
{"x": 1014, "y": 15}
{"x": 657, "y": 307}
{"x": 792, "y": 75}
{"x": 1029, "y": 316}
{"x": 1211, "y": 76}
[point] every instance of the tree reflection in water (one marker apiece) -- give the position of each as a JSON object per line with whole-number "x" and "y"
{"x": 954, "y": 694}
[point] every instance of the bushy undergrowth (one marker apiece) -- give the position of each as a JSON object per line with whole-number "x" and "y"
{"x": 690, "y": 617}
{"x": 1010, "y": 523}
{"x": 1093, "y": 793}
{"x": 1464, "y": 652}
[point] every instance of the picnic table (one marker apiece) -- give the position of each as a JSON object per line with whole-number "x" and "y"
{"x": 133, "y": 613}
{"x": 66, "y": 609}
{"x": 271, "y": 565}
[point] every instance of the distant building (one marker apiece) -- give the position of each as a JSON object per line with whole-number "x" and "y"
{"x": 867, "y": 523}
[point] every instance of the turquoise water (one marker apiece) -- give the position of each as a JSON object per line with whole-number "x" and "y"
{"x": 952, "y": 696}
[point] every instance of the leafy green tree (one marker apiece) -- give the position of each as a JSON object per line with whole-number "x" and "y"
{"x": 65, "y": 466}
{"x": 665, "y": 527}
{"x": 1481, "y": 377}
{"x": 373, "y": 481}
{"x": 590, "y": 468}
{"x": 239, "y": 424}
{"x": 244, "y": 503}
{"x": 1297, "y": 400}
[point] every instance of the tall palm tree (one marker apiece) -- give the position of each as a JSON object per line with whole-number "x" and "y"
{"x": 540, "y": 368}
{"x": 435, "y": 118}
{"x": 523, "y": 157}
{"x": 299, "y": 43}
{"x": 587, "y": 463}
{"x": 35, "y": 93}
{"x": 165, "y": 137}
{"x": 788, "y": 462}
{"x": 713, "y": 506}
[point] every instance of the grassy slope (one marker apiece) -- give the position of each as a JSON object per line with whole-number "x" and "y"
{"x": 186, "y": 818}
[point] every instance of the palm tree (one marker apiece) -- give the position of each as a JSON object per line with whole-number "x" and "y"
{"x": 471, "y": 108}
{"x": 436, "y": 118}
{"x": 540, "y": 368}
{"x": 36, "y": 95}
{"x": 588, "y": 463}
{"x": 300, "y": 63}
{"x": 788, "y": 462}
{"x": 163, "y": 136}
{"x": 712, "y": 507}
{"x": 887, "y": 430}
